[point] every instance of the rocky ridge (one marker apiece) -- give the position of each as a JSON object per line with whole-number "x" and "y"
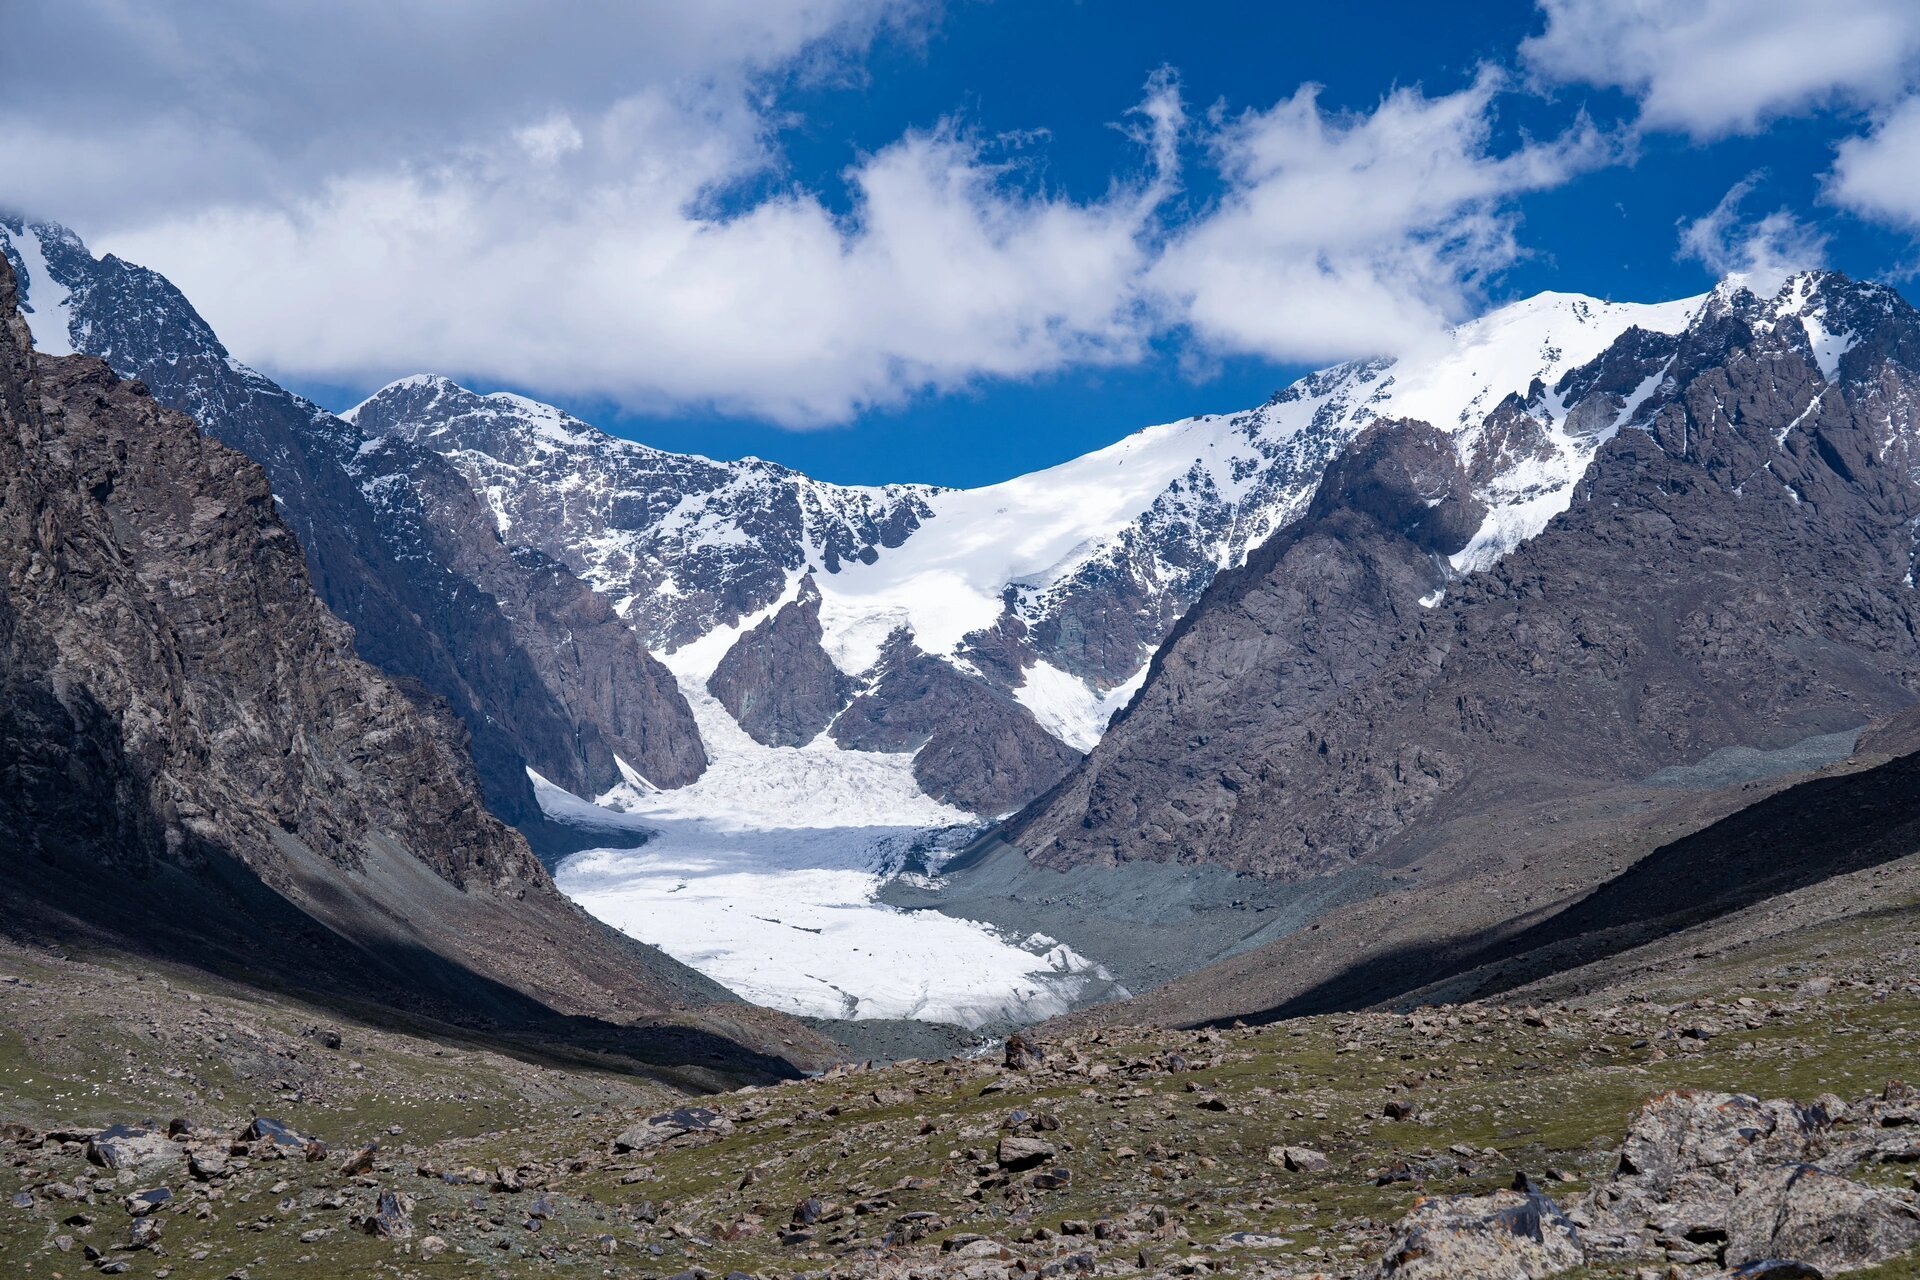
{"x": 198, "y": 766}
{"x": 1044, "y": 596}
{"x": 543, "y": 675}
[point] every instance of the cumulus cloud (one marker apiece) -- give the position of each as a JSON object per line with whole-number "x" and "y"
{"x": 1709, "y": 68}
{"x": 1356, "y": 234}
{"x": 599, "y": 208}
{"x": 590, "y": 268}
{"x": 1878, "y": 175}
{"x": 1759, "y": 252}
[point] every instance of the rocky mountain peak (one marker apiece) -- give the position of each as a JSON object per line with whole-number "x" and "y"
{"x": 1723, "y": 558}
{"x": 198, "y": 767}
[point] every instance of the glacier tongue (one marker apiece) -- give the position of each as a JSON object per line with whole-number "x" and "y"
{"x": 762, "y": 875}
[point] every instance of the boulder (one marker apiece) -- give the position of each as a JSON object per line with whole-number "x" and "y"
{"x": 669, "y": 1125}
{"x": 392, "y": 1217}
{"x": 263, "y": 1129}
{"x": 142, "y": 1203}
{"x": 1020, "y": 1151}
{"x": 1023, "y": 1054}
{"x": 1508, "y": 1234}
{"x": 1819, "y": 1218}
{"x": 360, "y": 1161}
{"x": 1299, "y": 1159}
{"x": 123, "y": 1146}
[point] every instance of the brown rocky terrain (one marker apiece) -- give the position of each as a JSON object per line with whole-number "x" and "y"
{"x": 197, "y": 766}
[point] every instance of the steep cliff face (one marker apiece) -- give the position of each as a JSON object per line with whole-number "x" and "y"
{"x": 193, "y": 762}
{"x": 973, "y": 746}
{"x": 1735, "y": 568}
{"x": 778, "y": 681}
{"x": 392, "y": 544}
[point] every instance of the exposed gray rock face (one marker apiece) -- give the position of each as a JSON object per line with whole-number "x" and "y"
{"x": 392, "y": 545}
{"x": 1510, "y": 1234}
{"x": 1286, "y": 635}
{"x": 976, "y": 747}
{"x": 777, "y": 679}
{"x": 1749, "y": 1180}
{"x": 1735, "y": 569}
{"x": 194, "y": 763}
{"x": 571, "y": 652}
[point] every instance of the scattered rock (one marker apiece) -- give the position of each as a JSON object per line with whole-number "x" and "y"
{"x": 669, "y": 1125}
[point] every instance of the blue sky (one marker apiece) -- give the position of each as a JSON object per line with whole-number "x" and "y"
{"x": 1071, "y": 66}
{"x": 896, "y": 239}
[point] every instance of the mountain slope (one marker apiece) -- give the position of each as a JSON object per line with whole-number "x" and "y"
{"x": 542, "y": 674}
{"x": 1043, "y": 597}
{"x": 197, "y": 766}
{"x": 1734, "y": 570}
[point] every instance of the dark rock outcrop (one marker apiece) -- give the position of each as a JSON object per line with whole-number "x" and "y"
{"x": 777, "y": 680}
{"x": 977, "y": 747}
{"x": 194, "y": 763}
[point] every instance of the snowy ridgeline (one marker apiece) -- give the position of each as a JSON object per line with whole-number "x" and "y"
{"x": 685, "y": 545}
{"x": 762, "y": 876}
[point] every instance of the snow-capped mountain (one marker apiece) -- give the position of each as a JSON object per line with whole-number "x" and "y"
{"x": 1732, "y": 571}
{"x": 1040, "y": 599}
{"x": 787, "y": 684}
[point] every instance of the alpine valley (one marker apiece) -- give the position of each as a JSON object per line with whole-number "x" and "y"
{"x": 1224, "y": 850}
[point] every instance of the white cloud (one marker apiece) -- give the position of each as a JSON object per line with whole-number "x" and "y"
{"x": 1878, "y": 176}
{"x": 1356, "y": 234}
{"x": 599, "y": 208}
{"x": 588, "y": 269}
{"x": 1761, "y": 252}
{"x": 1714, "y": 67}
